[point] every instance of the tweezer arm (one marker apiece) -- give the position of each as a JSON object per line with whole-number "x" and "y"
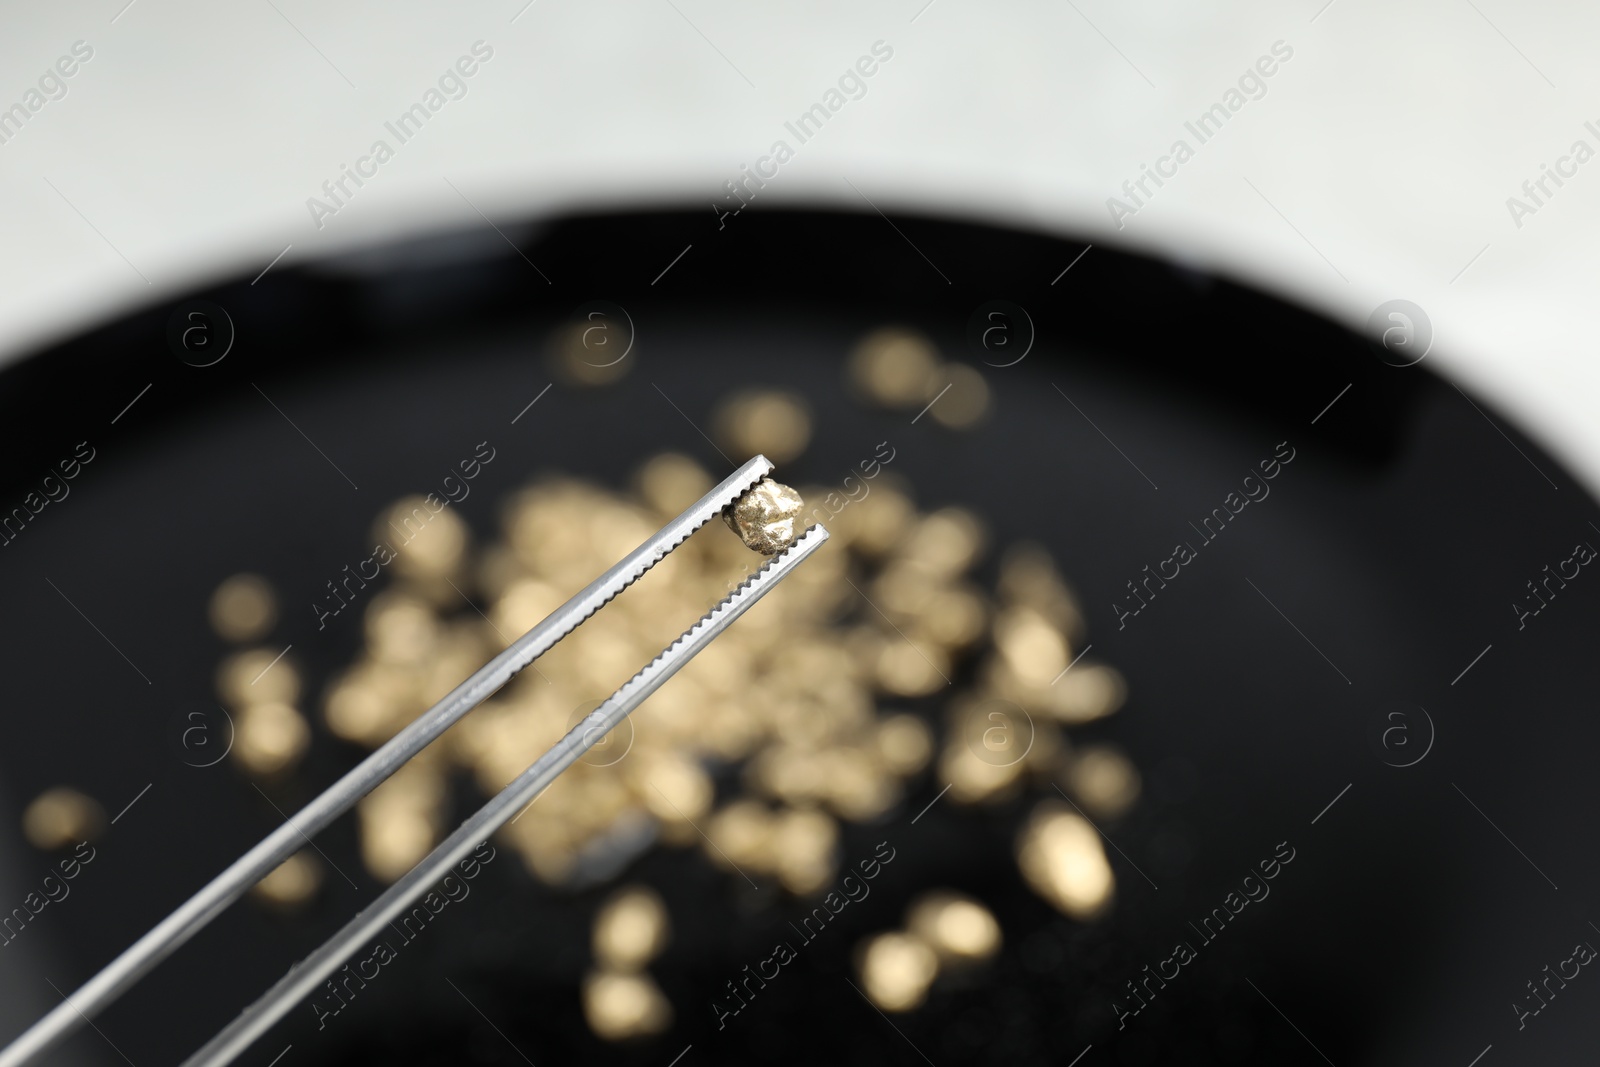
{"x": 165, "y": 937}
{"x": 312, "y": 971}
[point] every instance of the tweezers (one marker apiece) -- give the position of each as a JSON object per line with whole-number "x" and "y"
{"x": 187, "y": 920}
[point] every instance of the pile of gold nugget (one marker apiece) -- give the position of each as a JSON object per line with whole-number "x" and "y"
{"x": 807, "y": 695}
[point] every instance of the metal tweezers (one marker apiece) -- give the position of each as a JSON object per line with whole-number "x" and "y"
{"x": 162, "y": 940}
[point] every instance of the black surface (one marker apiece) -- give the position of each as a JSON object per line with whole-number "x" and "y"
{"x": 1395, "y": 541}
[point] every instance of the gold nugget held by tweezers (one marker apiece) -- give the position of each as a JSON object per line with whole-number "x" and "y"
{"x": 766, "y": 517}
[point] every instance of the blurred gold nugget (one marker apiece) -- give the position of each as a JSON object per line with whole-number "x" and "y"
{"x": 1104, "y": 779}
{"x": 1034, "y": 651}
{"x": 895, "y": 367}
{"x": 803, "y": 850}
{"x": 630, "y": 929}
{"x": 892, "y": 367}
{"x": 957, "y": 927}
{"x": 269, "y": 738}
{"x": 671, "y": 482}
{"x": 1028, "y": 576}
{"x": 965, "y": 403}
{"x": 258, "y": 676}
{"x": 587, "y": 352}
{"x": 903, "y": 744}
{"x": 1088, "y": 691}
{"x": 876, "y": 524}
{"x": 953, "y": 617}
{"x": 60, "y": 817}
{"x": 974, "y": 780}
{"x": 618, "y": 1007}
{"x": 797, "y": 845}
{"x": 243, "y": 608}
{"x": 1060, "y": 856}
{"x": 677, "y": 791}
{"x": 429, "y": 539}
{"x": 400, "y": 628}
{"x": 770, "y": 422}
{"x": 400, "y": 820}
{"x": 291, "y": 885}
{"x": 944, "y": 544}
{"x": 908, "y": 671}
{"x": 366, "y": 704}
{"x": 896, "y": 970}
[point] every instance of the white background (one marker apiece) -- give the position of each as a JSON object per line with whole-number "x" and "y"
{"x": 1377, "y": 166}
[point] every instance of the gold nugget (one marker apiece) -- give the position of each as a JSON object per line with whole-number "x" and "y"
{"x": 765, "y": 517}
{"x": 623, "y": 1006}
{"x": 1060, "y": 855}
{"x": 270, "y": 737}
{"x": 630, "y": 930}
{"x": 770, "y": 421}
{"x": 243, "y": 608}
{"x": 956, "y": 927}
{"x": 897, "y": 970}
{"x": 290, "y": 885}
{"x": 892, "y": 367}
{"x": 58, "y": 817}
